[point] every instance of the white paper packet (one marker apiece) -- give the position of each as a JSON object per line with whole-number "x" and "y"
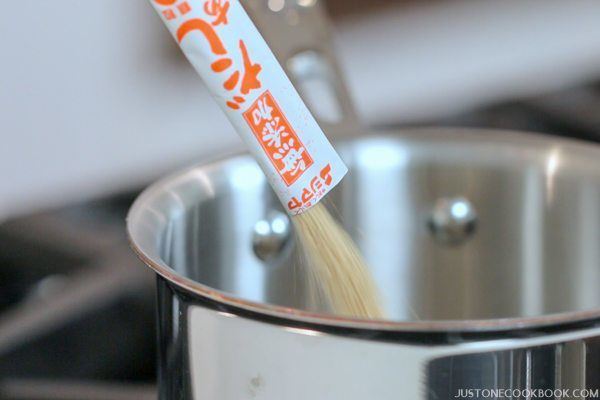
{"x": 243, "y": 75}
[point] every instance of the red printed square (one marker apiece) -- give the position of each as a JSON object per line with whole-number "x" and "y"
{"x": 277, "y": 138}
{"x": 169, "y": 14}
{"x": 184, "y": 8}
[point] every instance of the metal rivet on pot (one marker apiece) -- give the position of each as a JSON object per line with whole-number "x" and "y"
{"x": 270, "y": 235}
{"x": 452, "y": 220}
{"x": 306, "y": 3}
{"x": 276, "y": 5}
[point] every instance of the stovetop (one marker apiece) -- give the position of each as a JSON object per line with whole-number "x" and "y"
{"x": 77, "y": 307}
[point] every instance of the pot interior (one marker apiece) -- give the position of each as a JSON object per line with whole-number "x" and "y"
{"x": 455, "y": 225}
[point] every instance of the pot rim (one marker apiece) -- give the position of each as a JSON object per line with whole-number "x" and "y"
{"x": 336, "y": 321}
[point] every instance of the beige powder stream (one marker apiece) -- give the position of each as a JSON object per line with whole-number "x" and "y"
{"x": 337, "y": 265}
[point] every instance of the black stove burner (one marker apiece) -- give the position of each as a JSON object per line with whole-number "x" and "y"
{"x": 77, "y": 307}
{"x": 571, "y": 113}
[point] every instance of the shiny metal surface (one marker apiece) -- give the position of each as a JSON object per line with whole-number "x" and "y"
{"x": 299, "y": 34}
{"x": 271, "y": 235}
{"x": 533, "y": 261}
{"x": 452, "y": 220}
{"x": 298, "y": 363}
{"x": 512, "y": 306}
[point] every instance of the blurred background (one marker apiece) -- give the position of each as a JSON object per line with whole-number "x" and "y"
{"x": 96, "y": 102}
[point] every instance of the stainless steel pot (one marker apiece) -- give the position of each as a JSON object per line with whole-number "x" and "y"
{"x": 485, "y": 245}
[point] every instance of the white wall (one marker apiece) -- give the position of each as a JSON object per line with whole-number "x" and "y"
{"x": 95, "y": 97}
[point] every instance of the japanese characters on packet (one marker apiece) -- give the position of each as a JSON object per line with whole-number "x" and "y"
{"x": 228, "y": 52}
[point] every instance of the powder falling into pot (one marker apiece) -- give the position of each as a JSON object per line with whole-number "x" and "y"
{"x": 337, "y": 265}
{"x": 244, "y": 77}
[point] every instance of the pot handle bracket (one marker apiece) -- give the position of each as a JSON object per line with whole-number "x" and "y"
{"x": 298, "y": 33}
